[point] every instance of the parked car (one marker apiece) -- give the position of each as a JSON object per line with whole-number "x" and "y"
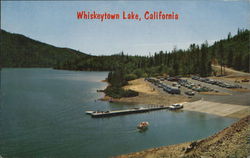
{"x": 245, "y": 80}
{"x": 190, "y": 93}
{"x": 173, "y": 79}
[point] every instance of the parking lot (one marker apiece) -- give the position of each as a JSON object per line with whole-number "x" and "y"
{"x": 220, "y": 94}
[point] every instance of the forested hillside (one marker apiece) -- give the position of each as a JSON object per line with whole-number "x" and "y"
{"x": 233, "y": 52}
{"x": 20, "y": 51}
{"x": 197, "y": 59}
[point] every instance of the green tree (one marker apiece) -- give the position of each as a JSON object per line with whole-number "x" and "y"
{"x": 221, "y": 55}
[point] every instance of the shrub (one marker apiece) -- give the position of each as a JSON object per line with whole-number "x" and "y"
{"x": 129, "y": 77}
{"x": 117, "y": 92}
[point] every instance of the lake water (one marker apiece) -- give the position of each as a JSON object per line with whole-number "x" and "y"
{"x": 42, "y": 115}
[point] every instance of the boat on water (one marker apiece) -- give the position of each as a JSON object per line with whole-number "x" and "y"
{"x": 176, "y": 106}
{"x": 143, "y": 125}
{"x": 89, "y": 112}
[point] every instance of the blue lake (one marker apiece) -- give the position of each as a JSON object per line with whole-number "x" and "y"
{"x": 42, "y": 115}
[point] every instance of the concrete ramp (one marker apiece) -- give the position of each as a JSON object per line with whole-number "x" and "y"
{"x": 215, "y": 108}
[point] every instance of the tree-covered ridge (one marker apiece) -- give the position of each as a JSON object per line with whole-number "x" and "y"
{"x": 20, "y": 51}
{"x": 197, "y": 59}
{"x": 234, "y": 51}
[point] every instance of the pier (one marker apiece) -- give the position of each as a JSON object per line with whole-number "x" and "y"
{"x": 123, "y": 112}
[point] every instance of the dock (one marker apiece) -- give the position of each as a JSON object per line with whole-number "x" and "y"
{"x": 123, "y": 112}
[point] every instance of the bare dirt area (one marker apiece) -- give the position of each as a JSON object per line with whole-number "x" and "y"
{"x": 149, "y": 95}
{"x": 219, "y": 109}
{"x": 233, "y": 141}
{"x": 240, "y": 90}
{"x": 230, "y": 71}
{"x": 141, "y": 86}
{"x": 232, "y": 75}
{"x": 214, "y": 93}
{"x": 155, "y": 99}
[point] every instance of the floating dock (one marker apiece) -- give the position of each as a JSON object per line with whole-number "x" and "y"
{"x": 123, "y": 112}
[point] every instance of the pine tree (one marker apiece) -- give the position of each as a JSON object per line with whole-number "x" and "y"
{"x": 221, "y": 54}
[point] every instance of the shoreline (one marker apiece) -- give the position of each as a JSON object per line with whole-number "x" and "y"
{"x": 150, "y": 95}
{"x": 230, "y": 141}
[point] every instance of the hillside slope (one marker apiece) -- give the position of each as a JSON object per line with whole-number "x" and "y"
{"x": 229, "y": 72}
{"x": 232, "y": 52}
{"x": 20, "y": 51}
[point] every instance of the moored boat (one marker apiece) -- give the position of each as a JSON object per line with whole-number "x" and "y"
{"x": 89, "y": 112}
{"x": 175, "y": 107}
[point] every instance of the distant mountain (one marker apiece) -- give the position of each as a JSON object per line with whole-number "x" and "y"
{"x": 20, "y": 51}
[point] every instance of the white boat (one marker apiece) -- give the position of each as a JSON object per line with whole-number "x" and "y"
{"x": 143, "y": 125}
{"x": 89, "y": 112}
{"x": 175, "y": 106}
